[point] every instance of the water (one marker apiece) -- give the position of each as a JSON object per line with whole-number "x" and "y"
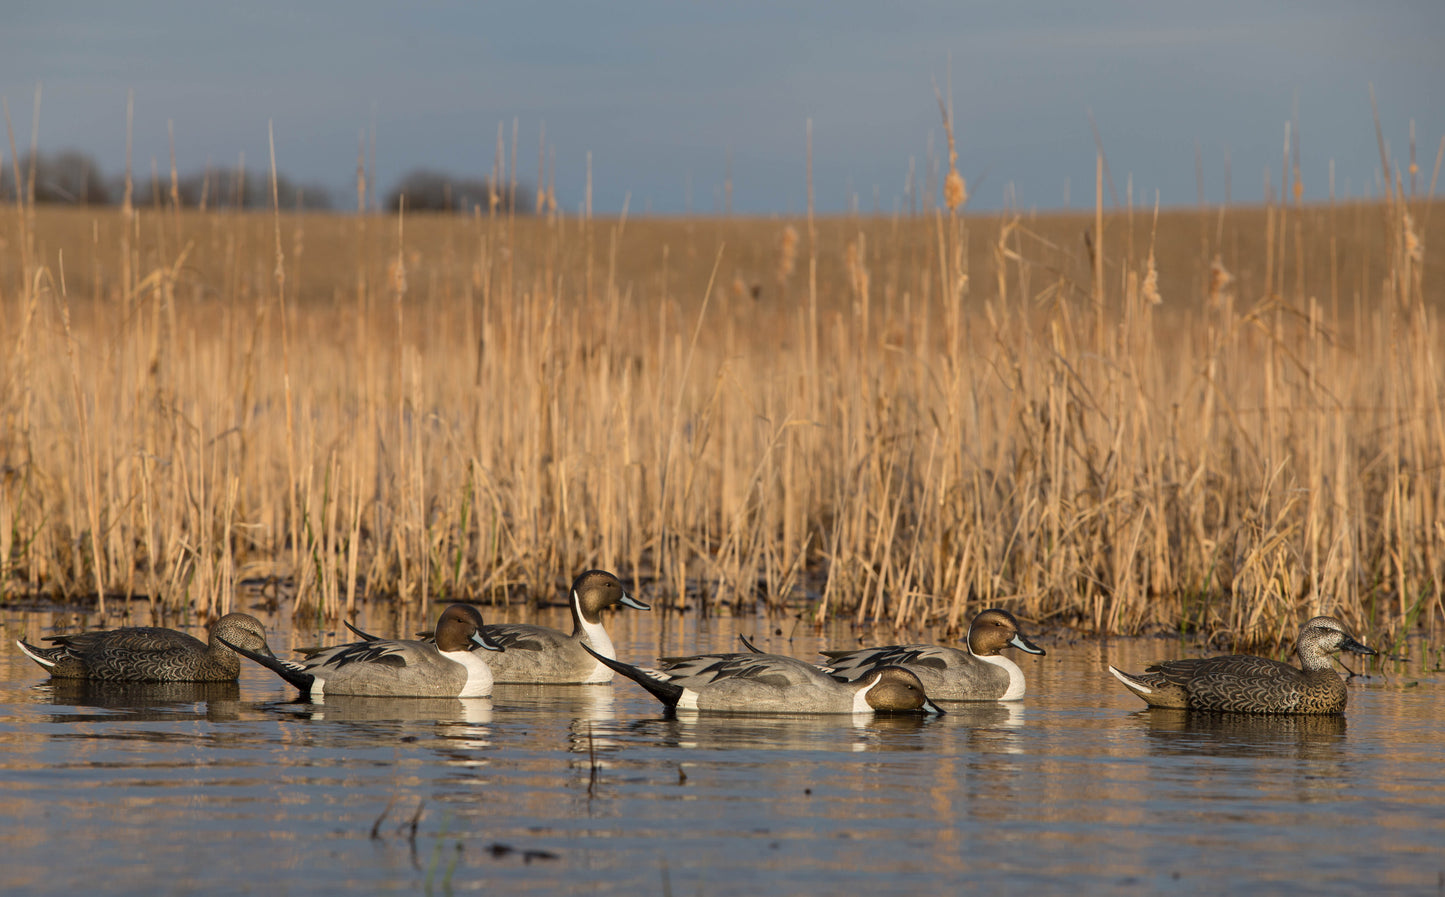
{"x": 589, "y": 789}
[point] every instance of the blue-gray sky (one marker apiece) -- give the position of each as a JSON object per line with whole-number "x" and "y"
{"x": 669, "y": 96}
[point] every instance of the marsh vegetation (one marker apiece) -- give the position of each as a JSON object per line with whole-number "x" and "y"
{"x": 1219, "y": 419}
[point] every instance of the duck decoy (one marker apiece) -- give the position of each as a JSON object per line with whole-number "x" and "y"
{"x": 539, "y": 655}
{"x": 772, "y": 683}
{"x": 1242, "y": 683}
{"x": 151, "y": 654}
{"x": 977, "y": 672}
{"x": 447, "y": 668}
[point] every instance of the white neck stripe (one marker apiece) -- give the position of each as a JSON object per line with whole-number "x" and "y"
{"x": 1016, "y": 684}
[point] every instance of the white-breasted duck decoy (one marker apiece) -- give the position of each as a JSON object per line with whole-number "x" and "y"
{"x": 540, "y": 655}
{"x": 447, "y": 668}
{"x": 773, "y": 684}
{"x": 977, "y": 672}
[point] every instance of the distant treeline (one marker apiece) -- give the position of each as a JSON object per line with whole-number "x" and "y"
{"x": 71, "y": 177}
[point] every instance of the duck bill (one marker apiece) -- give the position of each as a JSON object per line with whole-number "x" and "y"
{"x": 483, "y": 640}
{"x": 1023, "y": 644}
{"x": 629, "y": 601}
{"x": 932, "y": 709}
{"x": 1355, "y": 647}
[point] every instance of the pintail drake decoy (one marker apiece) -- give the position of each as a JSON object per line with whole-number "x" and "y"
{"x": 773, "y": 684}
{"x": 1242, "y": 683}
{"x": 538, "y": 654}
{"x": 151, "y": 654}
{"x": 978, "y": 672}
{"x": 447, "y": 668}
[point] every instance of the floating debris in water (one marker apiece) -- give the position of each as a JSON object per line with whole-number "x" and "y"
{"x": 499, "y": 850}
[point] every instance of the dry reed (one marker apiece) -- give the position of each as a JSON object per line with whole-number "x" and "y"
{"x": 1225, "y": 436}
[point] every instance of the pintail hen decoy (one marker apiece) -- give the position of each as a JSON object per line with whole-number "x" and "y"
{"x": 397, "y": 669}
{"x": 151, "y": 654}
{"x": 978, "y": 672}
{"x": 773, "y": 683}
{"x": 1242, "y": 683}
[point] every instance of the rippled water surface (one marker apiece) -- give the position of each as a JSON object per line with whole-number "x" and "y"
{"x": 590, "y": 789}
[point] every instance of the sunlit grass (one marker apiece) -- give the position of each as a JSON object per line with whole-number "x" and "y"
{"x": 1221, "y": 419}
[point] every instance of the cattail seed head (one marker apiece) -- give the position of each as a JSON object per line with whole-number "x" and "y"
{"x": 1414, "y": 245}
{"x": 857, "y": 270}
{"x": 955, "y": 192}
{"x": 1220, "y": 280}
{"x": 787, "y": 253}
{"x": 1150, "y": 290}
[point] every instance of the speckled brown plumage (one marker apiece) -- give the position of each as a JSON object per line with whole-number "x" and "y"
{"x": 150, "y": 654}
{"x": 1247, "y": 684}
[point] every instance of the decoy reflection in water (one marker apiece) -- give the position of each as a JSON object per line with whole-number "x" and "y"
{"x": 152, "y": 701}
{"x": 1243, "y": 683}
{"x": 393, "y": 709}
{"x": 786, "y": 732}
{"x": 1192, "y": 733}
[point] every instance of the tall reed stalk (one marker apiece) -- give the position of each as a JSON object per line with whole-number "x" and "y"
{"x": 1104, "y": 420}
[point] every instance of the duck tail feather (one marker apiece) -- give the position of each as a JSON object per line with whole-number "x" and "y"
{"x": 660, "y": 688}
{"x": 291, "y": 672}
{"x": 36, "y": 654}
{"x": 1131, "y": 682}
{"x": 361, "y": 633}
{"x": 749, "y": 645}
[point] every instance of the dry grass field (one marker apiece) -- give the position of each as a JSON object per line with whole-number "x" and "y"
{"x": 1219, "y": 420}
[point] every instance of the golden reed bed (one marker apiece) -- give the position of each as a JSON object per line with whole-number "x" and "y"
{"x": 1226, "y": 420}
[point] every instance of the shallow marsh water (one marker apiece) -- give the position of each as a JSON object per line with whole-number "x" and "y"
{"x": 591, "y": 789}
